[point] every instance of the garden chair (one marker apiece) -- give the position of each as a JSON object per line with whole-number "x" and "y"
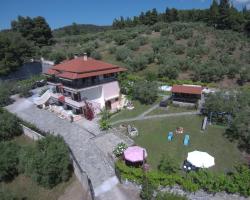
{"x": 186, "y": 140}
{"x": 170, "y": 136}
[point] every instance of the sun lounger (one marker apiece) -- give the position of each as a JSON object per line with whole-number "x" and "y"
{"x": 186, "y": 140}
{"x": 170, "y": 136}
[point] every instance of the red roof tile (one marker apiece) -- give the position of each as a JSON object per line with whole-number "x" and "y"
{"x": 186, "y": 89}
{"x": 79, "y": 65}
{"x": 52, "y": 72}
{"x": 80, "y": 68}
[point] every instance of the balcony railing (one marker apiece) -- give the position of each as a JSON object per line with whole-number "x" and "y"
{"x": 76, "y": 84}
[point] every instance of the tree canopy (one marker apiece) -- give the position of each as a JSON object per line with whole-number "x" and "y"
{"x": 14, "y": 51}
{"x": 222, "y": 15}
{"x": 33, "y": 29}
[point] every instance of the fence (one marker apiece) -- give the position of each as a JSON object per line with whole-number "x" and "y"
{"x": 80, "y": 174}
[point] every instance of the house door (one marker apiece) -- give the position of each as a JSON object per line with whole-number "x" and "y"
{"x": 108, "y": 105}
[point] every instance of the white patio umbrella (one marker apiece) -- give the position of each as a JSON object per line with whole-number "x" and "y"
{"x": 200, "y": 159}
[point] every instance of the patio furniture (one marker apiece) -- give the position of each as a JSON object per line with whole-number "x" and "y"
{"x": 186, "y": 140}
{"x": 170, "y": 136}
{"x": 200, "y": 159}
{"x": 179, "y": 130}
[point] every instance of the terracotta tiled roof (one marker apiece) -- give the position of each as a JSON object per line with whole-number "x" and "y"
{"x": 69, "y": 75}
{"x": 80, "y": 68}
{"x": 52, "y": 72}
{"x": 186, "y": 89}
{"x": 79, "y": 65}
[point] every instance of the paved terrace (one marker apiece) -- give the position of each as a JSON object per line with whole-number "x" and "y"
{"x": 89, "y": 155}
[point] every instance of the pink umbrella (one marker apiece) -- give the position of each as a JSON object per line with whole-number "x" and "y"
{"x": 135, "y": 154}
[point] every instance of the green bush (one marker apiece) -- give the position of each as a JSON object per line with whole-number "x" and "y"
{"x": 48, "y": 163}
{"x": 178, "y": 49}
{"x": 5, "y": 92}
{"x": 120, "y": 38}
{"x": 142, "y": 40}
{"x": 146, "y": 92}
{"x": 168, "y": 71}
{"x": 8, "y": 160}
{"x": 138, "y": 63}
{"x": 235, "y": 182}
{"x": 119, "y": 149}
{"x": 104, "y": 124}
{"x": 9, "y": 126}
{"x": 8, "y": 195}
{"x": 133, "y": 45}
{"x": 147, "y": 190}
{"x": 112, "y": 49}
{"x": 168, "y": 165}
{"x": 96, "y": 55}
{"x": 185, "y": 34}
{"x": 122, "y": 54}
{"x": 169, "y": 196}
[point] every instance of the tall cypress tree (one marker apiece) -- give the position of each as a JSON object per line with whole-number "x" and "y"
{"x": 224, "y": 18}
{"x": 214, "y": 13}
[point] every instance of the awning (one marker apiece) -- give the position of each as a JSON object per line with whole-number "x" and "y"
{"x": 111, "y": 90}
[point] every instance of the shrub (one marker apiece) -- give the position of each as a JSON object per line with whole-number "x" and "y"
{"x": 142, "y": 40}
{"x": 112, "y": 49}
{"x": 165, "y": 32}
{"x": 121, "y": 38}
{"x": 178, "y": 49}
{"x": 147, "y": 190}
{"x": 8, "y": 160}
{"x": 57, "y": 56}
{"x": 96, "y": 55}
{"x": 168, "y": 71}
{"x": 104, "y": 124}
{"x": 169, "y": 196}
{"x": 8, "y": 195}
{"x": 9, "y": 126}
{"x": 48, "y": 163}
{"x": 146, "y": 92}
{"x": 133, "y": 45}
{"x": 5, "y": 92}
{"x": 138, "y": 63}
{"x": 119, "y": 149}
{"x": 185, "y": 34}
{"x": 168, "y": 165}
{"x": 122, "y": 54}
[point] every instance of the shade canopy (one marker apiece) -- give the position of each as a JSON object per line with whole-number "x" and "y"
{"x": 200, "y": 159}
{"x": 135, "y": 154}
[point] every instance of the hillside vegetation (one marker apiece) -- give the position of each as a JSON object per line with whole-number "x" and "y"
{"x": 165, "y": 51}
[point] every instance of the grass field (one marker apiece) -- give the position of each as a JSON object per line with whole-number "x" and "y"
{"x": 25, "y": 188}
{"x": 170, "y": 109}
{"x": 153, "y": 136}
{"x": 139, "y": 109}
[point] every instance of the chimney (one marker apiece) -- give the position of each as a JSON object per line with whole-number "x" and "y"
{"x": 75, "y": 56}
{"x": 85, "y": 57}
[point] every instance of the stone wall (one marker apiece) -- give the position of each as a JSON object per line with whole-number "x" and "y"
{"x": 80, "y": 174}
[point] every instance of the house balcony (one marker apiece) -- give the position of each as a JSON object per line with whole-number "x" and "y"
{"x": 68, "y": 100}
{"x": 77, "y": 84}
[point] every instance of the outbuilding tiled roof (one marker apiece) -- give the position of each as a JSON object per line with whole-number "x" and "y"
{"x": 187, "y": 89}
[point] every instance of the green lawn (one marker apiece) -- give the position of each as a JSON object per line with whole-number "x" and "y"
{"x": 23, "y": 186}
{"x": 170, "y": 109}
{"x": 153, "y": 136}
{"x": 139, "y": 109}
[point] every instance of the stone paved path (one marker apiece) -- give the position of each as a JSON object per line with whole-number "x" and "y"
{"x": 89, "y": 156}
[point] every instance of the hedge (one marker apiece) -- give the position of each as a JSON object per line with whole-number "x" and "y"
{"x": 234, "y": 182}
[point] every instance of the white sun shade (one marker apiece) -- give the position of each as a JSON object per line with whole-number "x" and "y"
{"x": 200, "y": 159}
